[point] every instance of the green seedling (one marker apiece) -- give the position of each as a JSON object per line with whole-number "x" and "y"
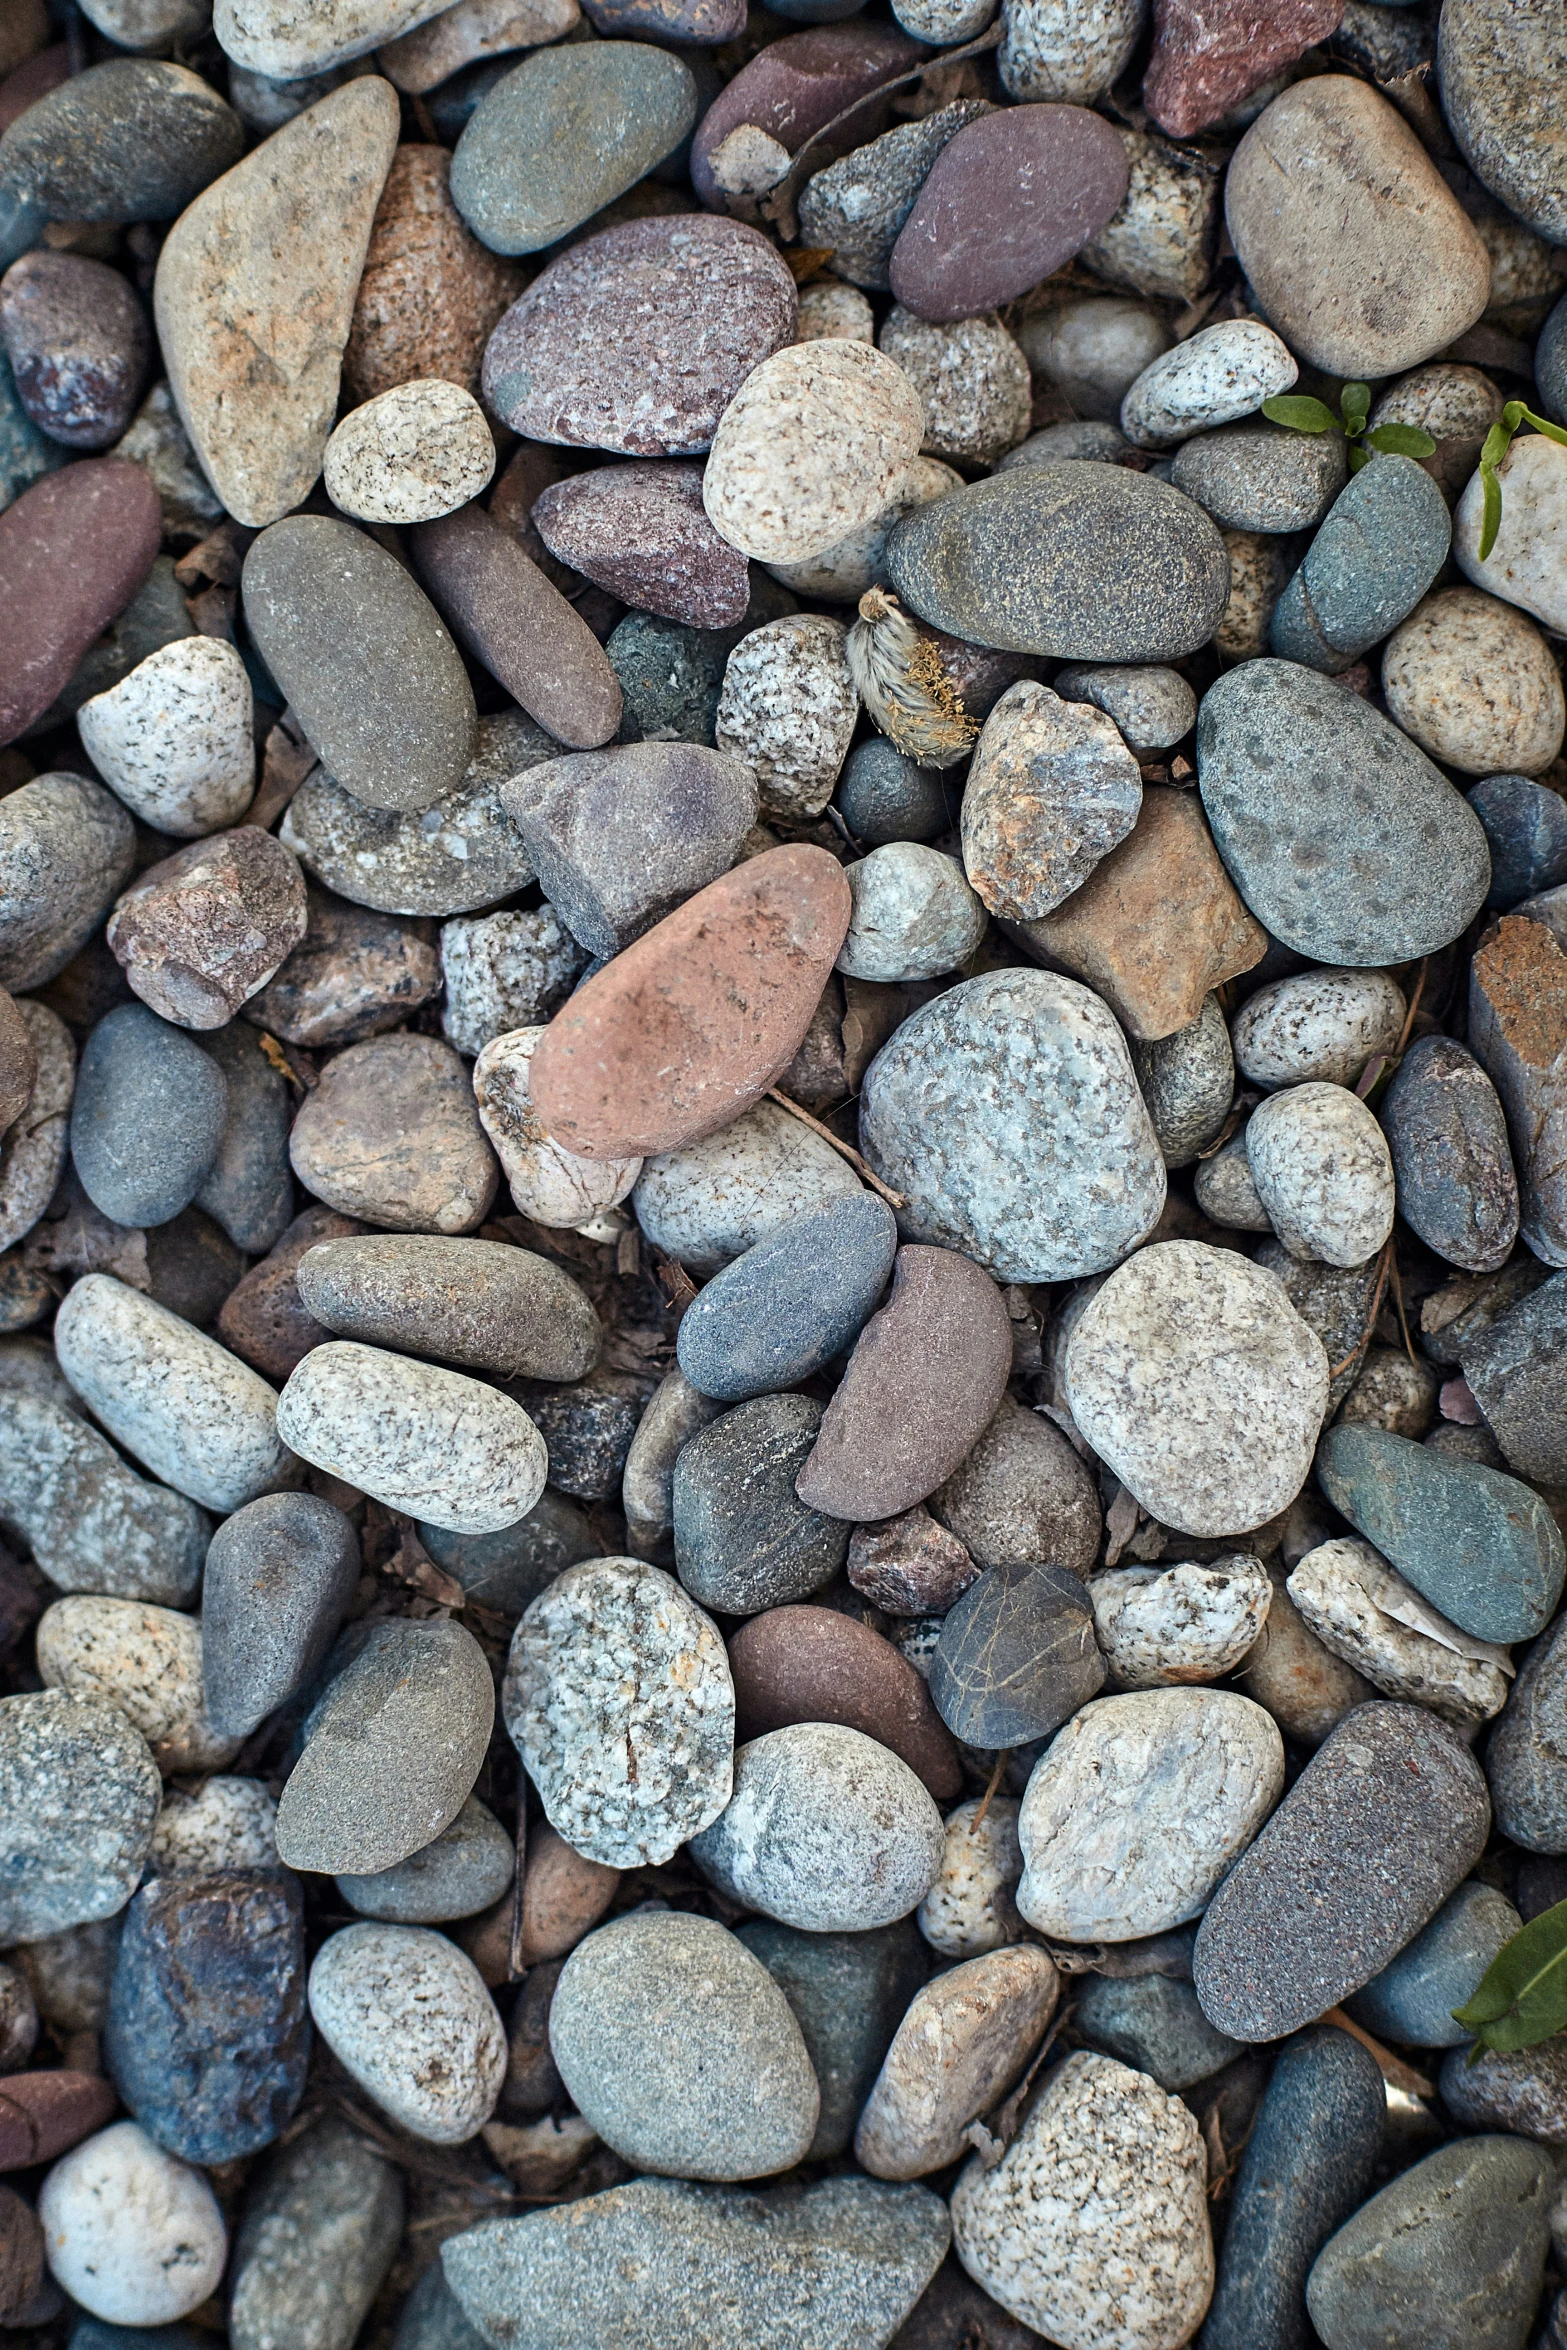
{"x": 1522, "y": 1997}
{"x": 1497, "y": 443}
{"x": 1304, "y": 414}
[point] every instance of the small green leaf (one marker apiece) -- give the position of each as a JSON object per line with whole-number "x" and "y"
{"x": 1299, "y": 412}
{"x": 1358, "y": 456}
{"x": 1491, "y": 521}
{"x": 1552, "y": 432}
{"x": 1497, "y": 443}
{"x": 1355, "y": 401}
{"x": 1401, "y": 440}
{"x": 1522, "y": 1997}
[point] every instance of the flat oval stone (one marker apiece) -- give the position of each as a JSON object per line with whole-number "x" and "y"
{"x": 563, "y": 134}
{"x": 375, "y": 680}
{"x": 204, "y": 930}
{"x": 744, "y": 1540}
{"x": 464, "y": 1869}
{"x": 1445, "y": 1128}
{"x": 638, "y": 338}
{"x": 962, "y": 2044}
{"x": 430, "y": 292}
{"x": 640, "y": 531}
{"x": 1007, "y": 1113}
{"x": 661, "y": 2024}
{"x": 207, "y": 2037}
{"x": 1474, "y": 683}
{"x": 414, "y": 452}
{"x": 1078, "y": 562}
{"x": 1496, "y": 68}
{"x": 278, "y": 1576}
{"x": 41, "y": 2114}
{"x": 392, "y": 1134}
{"x": 1318, "y": 1026}
{"x": 1481, "y": 1547}
{"x": 1368, "y": 566}
{"x": 847, "y": 1993}
{"x": 1257, "y": 476}
{"x": 134, "y": 139}
{"x": 1323, "y": 1173}
{"x": 799, "y": 86}
{"x": 374, "y": 1419}
{"x": 74, "y": 550}
{"x": 716, "y": 998}
{"x": 174, "y": 737}
{"x": 404, "y": 2012}
{"x": 1217, "y": 376}
{"x": 1388, "y": 1816}
{"x": 826, "y": 1830}
{"x": 810, "y": 448}
{"x": 319, "y": 2232}
{"x": 1016, "y": 1656}
{"x": 1192, "y": 1374}
{"x": 133, "y": 2234}
{"x": 81, "y": 1796}
{"x": 89, "y": 1521}
{"x": 718, "y": 1197}
{"x": 474, "y": 1302}
{"x": 1140, "y": 1807}
{"x": 781, "y": 1311}
{"x": 1413, "y": 1998}
{"x": 79, "y": 346}
{"x": 922, "y": 1385}
{"x": 391, "y": 1750}
{"x": 811, "y": 1664}
{"x": 1374, "y": 870}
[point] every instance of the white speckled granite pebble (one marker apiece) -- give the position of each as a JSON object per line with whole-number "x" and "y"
{"x": 417, "y": 451}
{"x": 1221, "y": 374}
{"x": 971, "y": 1907}
{"x": 1317, "y": 1026}
{"x": 1323, "y": 1172}
{"x": 810, "y": 448}
{"x": 1161, "y": 1625}
{"x": 228, "y": 1824}
{"x": 970, "y": 376}
{"x": 504, "y": 972}
{"x": 173, "y": 739}
{"x": 788, "y": 711}
{"x": 405, "y": 2012}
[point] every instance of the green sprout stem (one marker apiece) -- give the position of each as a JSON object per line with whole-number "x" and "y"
{"x": 1497, "y": 443}
{"x": 1303, "y": 414}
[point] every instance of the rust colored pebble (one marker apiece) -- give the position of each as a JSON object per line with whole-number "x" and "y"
{"x": 564, "y": 1894}
{"x": 41, "y": 2114}
{"x": 430, "y": 292}
{"x": 923, "y": 1383}
{"x": 264, "y": 1318}
{"x": 1210, "y": 54}
{"x": 811, "y": 1664}
{"x": 695, "y": 1021}
{"x": 74, "y": 550}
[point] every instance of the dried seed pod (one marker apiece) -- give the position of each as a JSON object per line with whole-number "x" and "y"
{"x": 905, "y": 684}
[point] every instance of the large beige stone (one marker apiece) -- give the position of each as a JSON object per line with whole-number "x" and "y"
{"x": 285, "y": 39}
{"x": 442, "y": 45}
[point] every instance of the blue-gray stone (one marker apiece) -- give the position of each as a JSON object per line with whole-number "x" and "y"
{"x": 134, "y": 139}
{"x": 1550, "y": 364}
{"x": 672, "y": 677}
{"x": 1526, "y": 1760}
{"x": 208, "y": 2035}
{"x": 1517, "y": 1373}
{"x": 1081, "y": 441}
{"x": 882, "y": 796}
{"x": 463, "y": 1870}
{"x": 22, "y": 224}
{"x": 1257, "y": 476}
{"x": 1526, "y": 826}
{"x": 744, "y": 1540}
{"x": 453, "y": 104}
{"x": 1367, "y": 568}
{"x": 1480, "y": 1546}
{"x": 1446, "y": 1130}
{"x": 1450, "y": 2256}
{"x": 280, "y": 1573}
{"x": 780, "y": 1312}
{"x": 320, "y": 2230}
{"x": 1307, "y": 2163}
{"x": 505, "y": 1572}
{"x": 1017, "y": 1656}
{"x": 25, "y": 452}
{"x": 1413, "y": 1999}
{"x": 157, "y": 615}
{"x": 91, "y": 2333}
{"x": 848, "y": 1993}
{"x": 432, "y": 2317}
{"x": 1153, "y": 2024}
{"x": 563, "y": 134}
{"x": 147, "y": 1117}
{"x": 1345, "y": 840}
{"x": 1078, "y": 562}
{"x": 249, "y": 1188}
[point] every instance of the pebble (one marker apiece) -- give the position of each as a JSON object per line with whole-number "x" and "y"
{"x": 971, "y": 1906}
{"x": 1413, "y": 1998}
{"x": 78, "y": 344}
{"x": 1522, "y": 1758}
{"x": 1414, "y": 276}
{"x": 319, "y": 2232}
{"x": 231, "y": 1824}
{"x": 1517, "y": 1004}
{"x": 857, "y": 206}
{"x": 800, "y": 87}
{"x": 1232, "y": 1459}
{"x": 826, "y": 1830}
{"x": 430, "y": 293}
{"x": 1523, "y": 567}
{"x": 263, "y": 1318}
{"x": 1387, "y": 1818}
{"x": 1524, "y": 2091}
{"x": 279, "y": 1574}
{"x": 1187, "y": 1082}
{"x": 505, "y": 1571}
{"x": 1158, "y": 1626}
{"x": 1219, "y": 375}
{"x": 811, "y": 1664}
{"x": 1008, "y": 1115}
{"x": 158, "y": 443}
{"x": 1275, "y": 747}
{"x": 1374, "y": 1620}
{"x": 547, "y": 1182}
{"x": 89, "y": 1521}
{"x": 490, "y": 1308}
{"x": 46, "y": 2112}
{"x": 1022, "y": 1495}
{"x": 135, "y": 2236}
{"x": 909, "y": 1565}
{"x": 353, "y": 974}
{"x": 391, "y": 1750}
{"x": 422, "y": 59}
{"x": 661, "y": 2025}
{"x": 173, "y": 738}
{"x": 1094, "y": 2225}
{"x": 1093, "y": 347}
{"x": 1323, "y": 1173}
{"x": 843, "y": 572}
{"x": 145, "y": 1663}
{"x": 1015, "y": 1656}
{"x": 788, "y": 1305}
{"x": 66, "y": 847}
{"x": 200, "y": 933}
{"x": 300, "y": 207}
{"x": 1524, "y": 824}
{"x": 329, "y": 608}
{"x": 1077, "y": 57}
{"x": 1473, "y": 682}
{"x": 32, "y": 1156}
{"x": 744, "y": 1540}
{"x": 1257, "y": 477}
{"x": 1155, "y": 2026}
{"x": 1494, "y": 69}
{"x": 81, "y": 1797}
{"x": 1211, "y": 65}
{"x": 369, "y": 1417}
{"x": 409, "y": 454}
{"x": 1372, "y": 559}
{"x": 392, "y": 1134}
{"x": 961, "y": 2045}
{"x": 131, "y": 139}
{"x": 1318, "y": 1027}
{"x": 464, "y": 1869}
{"x": 502, "y": 972}
{"x": 914, "y": 917}
{"x": 1509, "y": 1371}
{"x": 788, "y": 710}
{"x": 637, "y": 339}
{"x": 619, "y": 1700}
{"x": 847, "y": 1993}
{"x": 1052, "y": 789}
{"x": 1454, "y": 2246}
{"x": 1153, "y": 707}
{"x": 970, "y": 378}
{"x": 405, "y": 2014}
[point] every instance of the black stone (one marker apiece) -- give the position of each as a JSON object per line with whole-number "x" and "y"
{"x": 1017, "y": 1656}
{"x": 744, "y": 1540}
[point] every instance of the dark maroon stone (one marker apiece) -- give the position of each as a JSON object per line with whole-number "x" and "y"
{"x": 1005, "y": 203}
{"x": 74, "y": 549}
{"x": 531, "y": 471}
{"x": 33, "y": 81}
{"x": 1210, "y": 54}
{"x": 41, "y": 2114}
{"x": 703, "y": 22}
{"x": 79, "y": 345}
{"x": 502, "y": 609}
{"x": 264, "y": 1318}
{"x": 798, "y": 85}
{"x": 642, "y": 532}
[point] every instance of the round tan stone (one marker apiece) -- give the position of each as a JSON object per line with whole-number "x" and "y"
{"x": 392, "y": 1134}
{"x": 1472, "y": 680}
{"x": 810, "y": 448}
{"x": 964, "y": 2041}
{"x": 419, "y": 450}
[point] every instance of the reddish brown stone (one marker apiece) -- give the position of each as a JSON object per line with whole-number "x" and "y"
{"x": 1210, "y": 54}
{"x": 430, "y": 293}
{"x": 264, "y": 1319}
{"x": 800, "y": 84}
{"x": 21, "y": 2256}
{"x": 811, "y": 1664}
{"x": 74, "y": 550}
{"x": 692, "y": 1024}
{"x": 33, "y": 81}
{"x": 201, "y": 933}
{"x": 909, "y": 1565}
{"x": 531, "y": 471}
{"x": 79, "y": 344}
{"x": 642, "y": 532}
{"x": 18, "y": 1062}
{"x": 922, "y": 1386}
{"x": 564, "y": 1894}
{"x": 42, "y": 2114}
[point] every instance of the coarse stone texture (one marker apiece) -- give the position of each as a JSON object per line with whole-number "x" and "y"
{"x": 970, "y": 378}
{"x": 392, "y": 1747}
{"x": 81, "y": 1796}
{"x": 1094, "y": 347}
{"x": 33, "y": 1153}
{"x": 1199, "y": 1383}
{"x": 78, "y": 345}
{"x": 1260, "y": 568}
{"x": 89, "y": 1521}
{"x": 143, "y": 1661}
{"x": 429, "y": 293}
{"x": 422, "y": 59}
{"x": 1161, "y": 242}
{"x": 637, "y": 339}
{"x": 681, "y": 2051}
{"x": 467, "y": 1868}
{"x": 915, "y": 915}
{"x": 1376, "y": 1622}
{"x": 971, "y": 1907}
{"x": 743, "y": 1539}
{"x": 1526, "y": 825}
{"x": 75, "y": 548}
{"x": 352, "y": 975}
{"x": 1473, "y": 682}
{"x": 1318, "y": 1027}
{"x": 547, "y": 1181}
{"x": 619, "y": 1700}
{"x": 1218, "y": 376}
{"x": 1524, "y": 566}
{"x": 784, "y": 1309}
{"x": 267, "y": 37}
{"x": 1526, "y": 1760}
{"x": 404, "y": 2012}
{"x": 1513, "y": 1371}
{"x": 847, "y": 1993}
{"x": 317, "y": 2237}
{"x": 18, "y": 1061}
{"x": 1518, "y": 1034}
{"x": 478, "y": 1303}
{"x": 1413, "y": 1998}
{"x": 1158, "y": 1626}
{"x": 204, "y": 930}
{"x": 231, "y": 1824}
{"x": 1392, "y": 1392}
{"x": 1187, "y": 1081}
{"x": 1524, "y": 2090}
{"x": 640, "y": 532}
{"x": 132, "y": 2234}
{"x": 1015, "y": 1656}
{"x": 909, "y": 1565}
{"x": 812, "y": 1664}
{"x": 1052, "y": 788}
{"x": 1369, "y": 564}
{"x": 173, "y": 738}
{"x": 183, "y": 1405}
{"x": 788, "y": 711}
{"x": 279, "y": 1574}
{"x": 1477, "y": 1544}
{"x": 1211, "y": 55}
{"x": 504, "y": 972}
{"x": 392, "y": 1134}
{"x": 369, "y": 670}
{"x": 843, "y": 572}
{"x": 254, "y": 360}
{"x": 136, "y": 141}
{"x": 810, "y": 448}
{"x": 1093, "y": 2228}
{"x": 66, "y": 851}
{"x": 1376, "y": 871}
{"x": 1155, "y": 2025}
{"x": 1323, "y": 1173}
{"x": 1496, "y": 66}
{"x": 826, "y": 1831}
{"x": 856, "y": 207}
{"x": 1388, "y": 1816}
{"x": 1152, "y": 706}
{"x": 1257, "y": 477}
{"x": 827, "y": 2267}
{"x": 797, "y": 92}
{"x": 960, "y": 2047}
{"x": 1140, "y": 1807}
{"x": 717, "y": 998}
{"x": 1075, "y": 54}
{"x": 418, "y": 1438}
{"x": 1416, "y": 273}
{"x": 1451, "y": 2253}
{"x": 409, "y": 454}
{"x": 1008, "y": 1115}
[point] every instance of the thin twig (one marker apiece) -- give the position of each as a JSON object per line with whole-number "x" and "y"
{"x": 1392, "y": 2068}
{"x": 1370, "y": 1323}
{"x": 995, "y": 1780}
{"x": 1414, "y": 1006}
{"x": 1398, "y": 1300}
{"x": 894, "y": 1199}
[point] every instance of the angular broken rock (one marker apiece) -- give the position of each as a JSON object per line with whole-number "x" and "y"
{"x": 1518, "y": 1033}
